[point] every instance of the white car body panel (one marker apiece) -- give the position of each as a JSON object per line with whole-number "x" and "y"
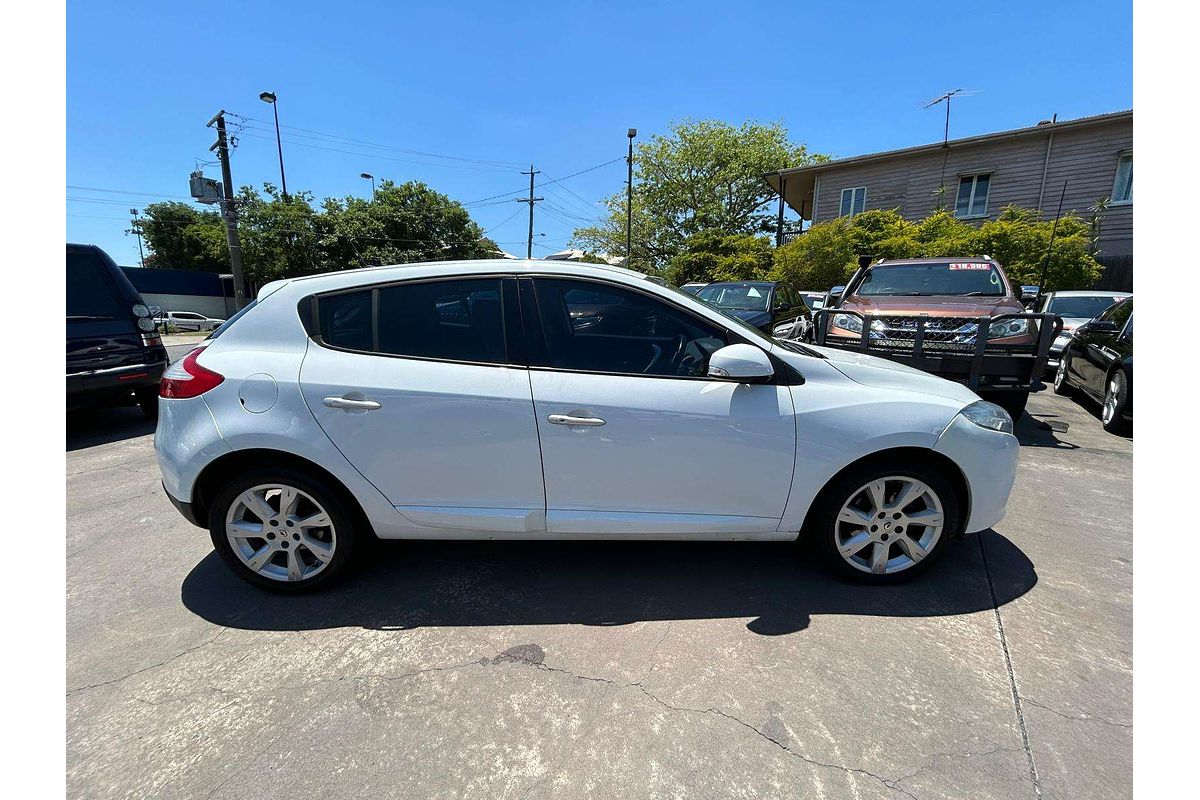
{"x": 457, "y": 436}
{"x": 655, "y": 460}
{"x": 466, "y": 451}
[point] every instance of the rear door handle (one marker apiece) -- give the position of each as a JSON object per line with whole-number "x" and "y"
{"x": 354, "y": 405}
{"x": 567, "y": 419}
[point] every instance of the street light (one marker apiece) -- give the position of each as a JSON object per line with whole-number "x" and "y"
{"x": 269, "y": 97}
{"x": 371, "y": 178}
{"x": 632, "y": 132}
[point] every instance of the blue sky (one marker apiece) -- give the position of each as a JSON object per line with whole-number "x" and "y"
{"x": 553, "y": 83}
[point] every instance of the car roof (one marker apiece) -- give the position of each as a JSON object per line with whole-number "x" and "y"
{"x": 890, "y": 262}
{"x": 1089, "y": 293}
{"x": 741, "y": 283}
{"x": 426, "y": 269}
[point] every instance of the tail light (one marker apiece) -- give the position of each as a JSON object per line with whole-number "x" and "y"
{"x": 186, "y": 378}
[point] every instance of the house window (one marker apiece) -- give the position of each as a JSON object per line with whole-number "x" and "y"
{"x": 1123, "y": 184}
{"x": 972, "y": 195}
{"x": 853, "y": 201}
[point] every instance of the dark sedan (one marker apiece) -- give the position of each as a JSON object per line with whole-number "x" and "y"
{"x": 772, "y": 307}
{"x": 1098, "y": 362}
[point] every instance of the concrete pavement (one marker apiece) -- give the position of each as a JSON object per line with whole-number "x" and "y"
{"x": 604, "y": 669}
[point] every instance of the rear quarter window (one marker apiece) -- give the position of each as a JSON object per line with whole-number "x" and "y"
{"x": 91, "y": 290}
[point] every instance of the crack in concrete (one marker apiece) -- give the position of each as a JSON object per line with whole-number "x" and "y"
{"x": 887, "y": 782}
{"x": 1079, "y": 717}
{"x": 1012, "y": 676}
{"x": 162, "y": 663}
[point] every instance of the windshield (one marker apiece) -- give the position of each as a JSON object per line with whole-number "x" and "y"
{"x": 959, "y": 278}
{"x": 737, "y": 296}
{"x": 1085, "y": 307}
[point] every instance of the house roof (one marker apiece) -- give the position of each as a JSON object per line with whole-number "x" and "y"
{"x": 799, "y": 180}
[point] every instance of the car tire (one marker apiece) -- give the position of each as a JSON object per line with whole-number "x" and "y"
{"x": 289, "y": 557}
{"x": 1116, "y": 400}
{"x": 846, "y": 527}
{"x": 147, "y": 400}
{"x": 1062, "y": 385}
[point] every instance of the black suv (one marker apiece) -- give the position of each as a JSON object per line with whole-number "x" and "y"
{"x": 114, "y": 353}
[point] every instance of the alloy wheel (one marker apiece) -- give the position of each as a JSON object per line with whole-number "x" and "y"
{"x": 1112, "y": 400}
{"x": 1060, "y": 375}
{"x": 280, "y": 532}
{"x": 888, "y": 525}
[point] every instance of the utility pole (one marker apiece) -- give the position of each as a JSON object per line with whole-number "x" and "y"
{"x": 137, "y": 228}
{"x": 632, "y": 132}
{"x": 531, "y": 200}
{"x": 229, "y": 211}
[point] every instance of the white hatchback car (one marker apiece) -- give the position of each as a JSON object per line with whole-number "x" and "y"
{"x": 545, "y": 400}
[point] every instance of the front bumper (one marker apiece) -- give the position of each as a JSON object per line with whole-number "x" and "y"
{"x": 988, "y": 460}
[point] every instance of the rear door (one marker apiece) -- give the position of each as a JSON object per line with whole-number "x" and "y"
{"x": 101, "y": 332}
{"x": 636, "y": 439}
{"x": 417, "y": 384}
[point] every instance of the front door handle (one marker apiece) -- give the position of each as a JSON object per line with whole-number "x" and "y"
{"x": 567, "y": 419}
{"x": 351, "y": 404}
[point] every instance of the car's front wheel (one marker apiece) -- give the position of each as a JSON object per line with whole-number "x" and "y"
{"x": 887, "y": 523}
{"x": 282, "y": 531}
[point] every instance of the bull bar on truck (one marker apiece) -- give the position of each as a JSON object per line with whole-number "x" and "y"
{"x": 950, "y": 347}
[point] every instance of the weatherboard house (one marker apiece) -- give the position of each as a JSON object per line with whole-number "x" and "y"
{"x": 1079, "y": 162}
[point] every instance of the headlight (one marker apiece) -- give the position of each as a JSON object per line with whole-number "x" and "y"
{"x": 1008, "y": 327}
{"x": 988, "y": 415}
{"x": 848, "y": 322}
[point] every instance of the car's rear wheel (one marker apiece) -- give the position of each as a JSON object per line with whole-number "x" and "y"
{"x": 280, "y": 530}
{"x": 887, "y": 523}
{"x": 1061, "y": 385}
{"x": 1116, "y": 400}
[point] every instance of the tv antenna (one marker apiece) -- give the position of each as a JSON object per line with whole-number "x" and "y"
{"x": 946, "y": 98}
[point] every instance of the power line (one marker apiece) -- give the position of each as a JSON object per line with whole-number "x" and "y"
{"x": 314, "y": 133}
{"x": 378, "y": 156}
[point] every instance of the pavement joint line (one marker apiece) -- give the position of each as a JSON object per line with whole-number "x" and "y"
{"x": 1012, "y": 677}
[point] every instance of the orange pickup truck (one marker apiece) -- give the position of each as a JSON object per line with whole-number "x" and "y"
{"x": 930, "y": 313}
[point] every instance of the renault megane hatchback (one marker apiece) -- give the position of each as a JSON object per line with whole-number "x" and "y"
{"x": 544, "y": 400}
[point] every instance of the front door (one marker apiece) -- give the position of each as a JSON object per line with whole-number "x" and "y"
{"x": 636, "y": 439}
{"x": 413, "y": 385}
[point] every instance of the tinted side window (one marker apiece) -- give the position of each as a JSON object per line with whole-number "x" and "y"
{"x": 91, "y": 291}
{"x": 345, "y": 320}
{"x": 1118, "y": 313}
{"x": 458, "y": 320}
{"x": 596, "y": 327}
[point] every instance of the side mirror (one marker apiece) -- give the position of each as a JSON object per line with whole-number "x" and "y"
{"x": 1099, "y": 326}
{"x": 833, "y": 296}
{"x": 740, "y": 362}
{"x": 1030, "y": 293}
{"x": 783, "y": 305}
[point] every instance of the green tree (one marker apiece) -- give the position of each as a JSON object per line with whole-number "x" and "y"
{"x": 180, "y": 236}
{"x": 828, "y": 252}
{"x": 282, "y": 239}
{"x": 703, "y": 175}
{"x": 404, "y": 223}
{"x": 714, "y": 256}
